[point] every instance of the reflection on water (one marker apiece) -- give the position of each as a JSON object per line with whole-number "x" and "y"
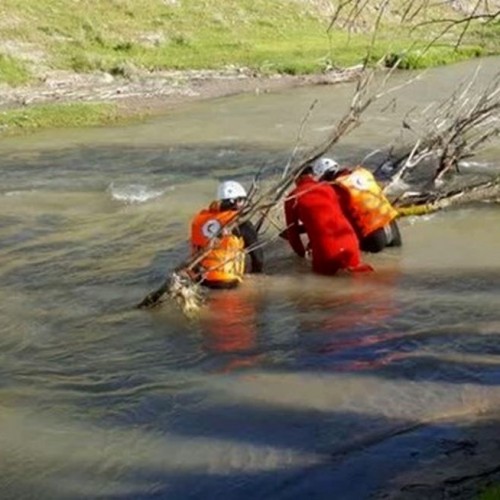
{"x": 293, "y": 386}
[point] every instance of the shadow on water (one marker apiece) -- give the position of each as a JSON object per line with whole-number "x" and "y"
{"x": 272, "y": 428}
{"x": 248, "y": 451}
{"x": 445, "y": 330}
{"x": 256, "y": 418}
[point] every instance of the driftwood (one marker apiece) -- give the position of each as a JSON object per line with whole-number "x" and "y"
{"x": 442, "y": 136}
{"x": 425, "y": 203}
{"x": 455, "y": 131}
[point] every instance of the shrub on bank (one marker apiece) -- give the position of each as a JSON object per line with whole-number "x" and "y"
{"x": 435, "y": 56}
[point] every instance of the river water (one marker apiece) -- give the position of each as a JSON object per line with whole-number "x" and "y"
{"x": 293, "y": 386}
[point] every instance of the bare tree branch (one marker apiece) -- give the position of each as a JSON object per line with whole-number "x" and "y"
{"x": 454, "y": 131}
{"x": 178, "y": 284}
{"x": 446, "y": 134}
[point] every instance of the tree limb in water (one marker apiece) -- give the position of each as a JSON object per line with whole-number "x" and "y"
{"x": 429, "y": 202}
{"x": 446, "y": 134}
{"x": 178, "y": 283}
{"x": 459, "y": 127}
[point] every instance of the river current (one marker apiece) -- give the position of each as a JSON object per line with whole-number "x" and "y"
{"x": 293, "y": 386}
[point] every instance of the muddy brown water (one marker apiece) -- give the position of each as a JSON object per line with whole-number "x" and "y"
{"x": 294, "y": 386}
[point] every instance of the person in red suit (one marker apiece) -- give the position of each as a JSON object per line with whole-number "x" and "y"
{"x": 332, "y": 240}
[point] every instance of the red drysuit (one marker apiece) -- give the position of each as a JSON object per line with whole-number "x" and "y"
{"x": 333, "y": 242}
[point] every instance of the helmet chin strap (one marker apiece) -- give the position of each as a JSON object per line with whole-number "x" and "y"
{"x": 228, "y": 204}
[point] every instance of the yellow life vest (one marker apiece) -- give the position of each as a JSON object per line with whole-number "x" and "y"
{"x": 224, "y": 261}
{"x": 369, "y": 208}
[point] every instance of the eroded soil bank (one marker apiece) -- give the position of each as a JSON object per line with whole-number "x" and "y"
{"x": 154, "y": 93}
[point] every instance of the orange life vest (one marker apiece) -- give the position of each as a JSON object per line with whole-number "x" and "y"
{"x": 369, "y": 208}
{"x": 224, "y": 261}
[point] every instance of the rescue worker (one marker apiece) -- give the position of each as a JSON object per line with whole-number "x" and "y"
{"x": 363, "y": 203}
{"x": 332, "y": 240}
{"x": 222, "y": 263}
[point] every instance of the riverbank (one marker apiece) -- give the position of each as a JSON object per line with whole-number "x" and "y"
{"x": 100, "y": 98}
{"x": 68, "y": 64}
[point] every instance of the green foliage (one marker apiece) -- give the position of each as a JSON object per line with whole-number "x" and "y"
{"x": 56, "y": 116}
{"x": 492, "y": 493}
{"x": 435, "y": 56}
{"x": 13, "y": 72}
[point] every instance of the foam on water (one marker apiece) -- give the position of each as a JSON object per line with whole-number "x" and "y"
{"x": 136, "y": 193}
{"x": 17, "y": 193}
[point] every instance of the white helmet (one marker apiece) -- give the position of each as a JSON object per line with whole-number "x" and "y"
{"x": 230, "y": 190}
{"x": 323, "y": 165}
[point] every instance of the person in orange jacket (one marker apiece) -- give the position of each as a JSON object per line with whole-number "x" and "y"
{"x": 363, "y": 203}
{"x": 222, "y": 251}
{"x": 332, "y": 240}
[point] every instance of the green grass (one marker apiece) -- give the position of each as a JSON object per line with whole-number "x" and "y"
{"x": 274, "y": 36}
{"x": 436, "y": 56}
{"x": 492, "y": 493}
{"x": 13, "y": 122}
{"x": 13, "y": 72}
{"x": 200, "y": 44}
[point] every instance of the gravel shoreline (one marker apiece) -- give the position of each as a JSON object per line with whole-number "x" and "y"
{"x": 151, "y": 93}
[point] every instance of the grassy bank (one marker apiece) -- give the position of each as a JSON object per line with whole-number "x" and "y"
{"x": 13, "y": 71}
{"x": 25, "y": 120}
{"x": 279, "y": 36}
{"x": 491, "y": 493}
{"x": 129, "y": 37}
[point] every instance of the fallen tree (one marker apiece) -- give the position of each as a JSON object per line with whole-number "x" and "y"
{"x": 456, "y": 130}
{"x": 443, "y": 136}
{"x": 428, "y": 202}
{"x": 181, "y": 283}
{"x": 437, "y": 142}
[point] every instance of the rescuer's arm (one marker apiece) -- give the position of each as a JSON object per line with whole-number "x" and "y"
{"x": 343, "y": 198}
{"x": 251, "y": 239}
{"x": 292, "y": 224}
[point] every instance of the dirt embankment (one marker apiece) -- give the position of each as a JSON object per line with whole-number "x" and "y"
{"x": 154, "y": 92}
